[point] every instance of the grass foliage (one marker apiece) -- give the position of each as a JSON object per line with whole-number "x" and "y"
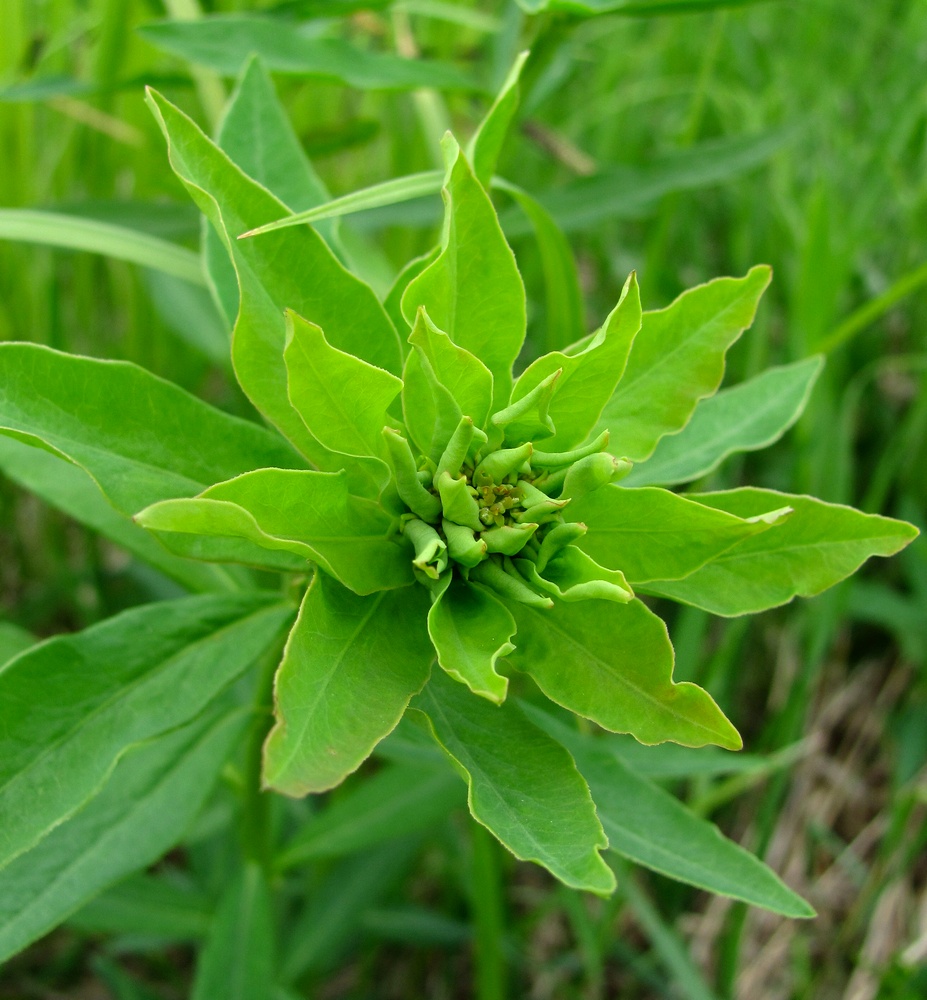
{"x": 681, "y": 146}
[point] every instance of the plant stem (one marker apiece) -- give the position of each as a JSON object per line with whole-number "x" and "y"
{"x": 255, "y": 811}
{"x": 488, "y": 916}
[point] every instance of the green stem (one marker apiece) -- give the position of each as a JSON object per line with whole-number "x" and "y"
{"x": 488, "y": 916}
{"x": 255, "y": 808}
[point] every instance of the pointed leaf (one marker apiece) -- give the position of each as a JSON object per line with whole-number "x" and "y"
{"x": 143, "y": 811}
{"x": 430, "y": 411}
{"x": 223, "y": 42}
{"x": 817, "y": 546}
{"x": 652, "y": 534}
{"x": 393, "y": 301}
{"x": 95, "y": 236}
{"x": 70, "y": 707}
{"x": 350, "y": 667}
{"x": 140, "y": 438}
{"x": 660, "y": 833}
{"x": 524, "y": 787}
{"x": 564, "y": 315}
{"x": 613, "y": 663}
{"x": 313, "y": 284}
{"x": 70, "y": 489}
{"x": 678, "y": 359}
{"x": 257, "y": 135}
{"x": 470, "y": 630}
{"x": 589, "y": 375}
{"x": 464, "y": 376}
{"x": 473, "y": 291}
{"x": 486, "y": 145}
{"x": 341, "y": 399}
{"x": 392, "y": 192}
{"x": 237, "y": 962}
{"x": 747, "y": 417}
{"x": 308, "y": 516}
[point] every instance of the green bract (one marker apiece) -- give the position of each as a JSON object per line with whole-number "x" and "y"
{"x": 452, "y": 519}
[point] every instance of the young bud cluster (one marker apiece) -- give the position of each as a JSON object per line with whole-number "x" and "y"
{"x": 494, "y": 514}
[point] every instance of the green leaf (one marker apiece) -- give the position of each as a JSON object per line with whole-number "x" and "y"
{"x": 350, "y": 667}
{"x": 140, "y": 438}
{"x": 652, "y": 534}
{"x": 625, "y": 191}
{"x": 329, "y": 922}
{"x": 191, "y": 314}
{"x": 564, "y": 315}
{"x": 466, "y": 378}
{"x": 659, "y": 832}
{"x": 613, "y": 663}
{"x": 589, "y": 375}
{"x": 143, "y": 810}
{"x": 473, "y": 291}
{"x": 13, "y": 641}
{"x": 225, "y": 42}
{"x": 341, "y": 399}
{"x": 678, "y": 359}
{"x": 747, "y": 417}
{"x": 524, "y": 787}
{"x": 70, "y": 707}
{"x": 152, "y": 906}
{"x": 393, "y": 301}
{"x": 486, "y": 144}
{"x": 71, "y": 490}
{"x": 392, "y": 192}
{"x": 470, "y": 630}
{"x": 398, "y": 800}
{"x": 238, "y": 962}
{"x": 308, "y": 516}
{"x": 633, "y": 8}
{"x": 818, "y": 545}
{"x": 256, "y": 134}
{"x": 313, "y": 284}
{"x": 72, "y": 232}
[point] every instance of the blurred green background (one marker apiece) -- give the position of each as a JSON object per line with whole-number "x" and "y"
{"x": 684, "y": 145}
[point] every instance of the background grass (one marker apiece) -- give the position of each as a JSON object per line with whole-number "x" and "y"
{"x": 685, "y": 147}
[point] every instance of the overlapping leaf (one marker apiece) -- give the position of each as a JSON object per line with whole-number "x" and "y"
{"x": 345, "y": 307}
{"x": 678, "y": 359}
{"x": 143, "y": 810}
{"x": 652, "y": 534}
{"x": 613, "y": 663}
{"x": 303, "y": 516}
{"x": 72, "y": 705}
{"x": 471, "y": 629}
{"x": 652, "y": 828}
{"x": 350, "y": 666}
{"x": 67, "y": 487}
{"x": 473, "y": 291}
{"x": 524, "y": 787}
{"x": 752, "y": 415}
{"x": 817, "y": 546}
{"x": 589, "y": 374}
{"x": 140, "y": 438}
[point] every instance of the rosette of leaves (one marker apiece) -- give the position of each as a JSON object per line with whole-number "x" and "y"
{"x": 453, "y": 522}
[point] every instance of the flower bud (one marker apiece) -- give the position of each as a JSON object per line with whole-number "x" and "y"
{"x": 412, "y": 493}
